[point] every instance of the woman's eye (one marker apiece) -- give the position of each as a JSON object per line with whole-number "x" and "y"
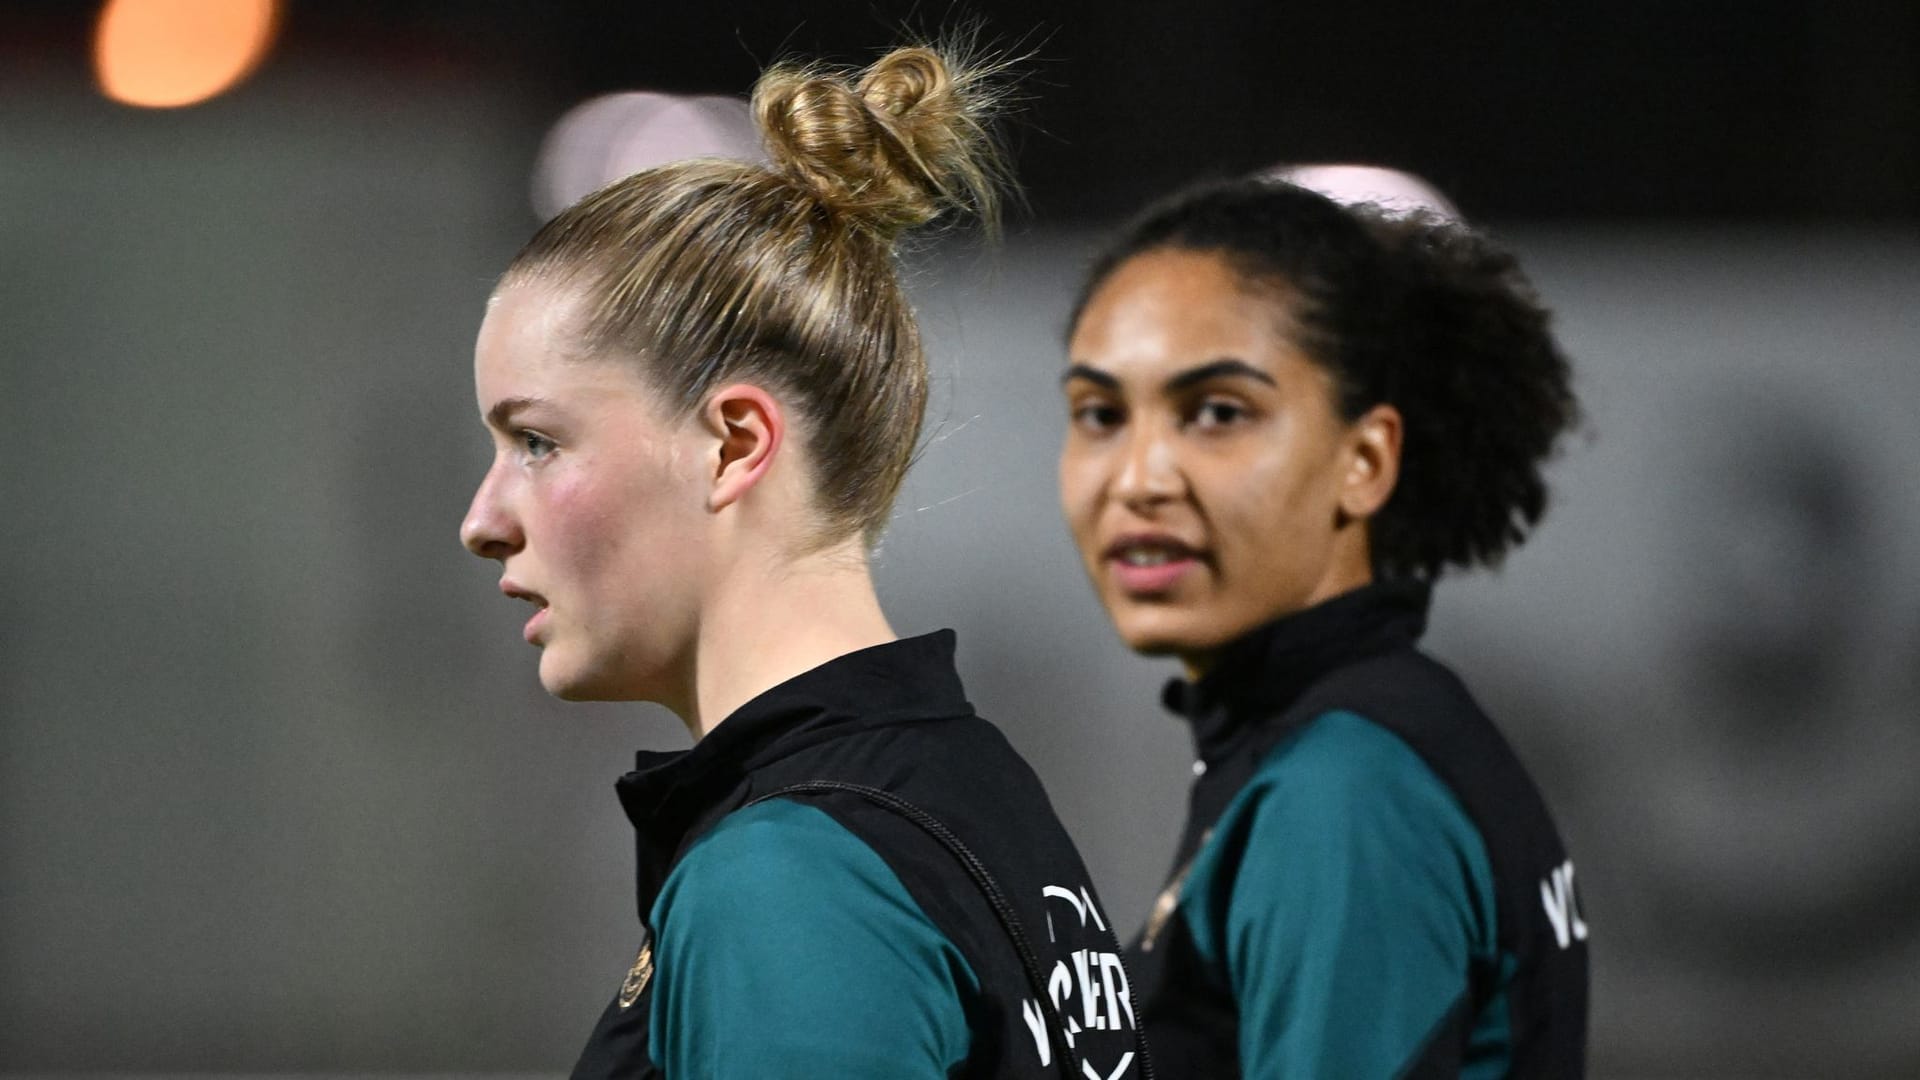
{"x": 1218, "y": 414}
{"x": 1096, "y": 416}
{"x": 536, "y": 445}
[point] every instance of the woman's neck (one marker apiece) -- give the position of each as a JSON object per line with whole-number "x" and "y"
{"x": 779, "y": 620}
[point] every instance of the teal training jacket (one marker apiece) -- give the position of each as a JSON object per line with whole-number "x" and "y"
{"x": 1369, "y": 885}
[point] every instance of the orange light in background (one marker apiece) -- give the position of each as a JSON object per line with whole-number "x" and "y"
{"x": 166, "y": 53}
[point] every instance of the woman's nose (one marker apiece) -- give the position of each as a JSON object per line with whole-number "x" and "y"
{"x": 489, "y": 530}
{"x": 1149, "y": 470}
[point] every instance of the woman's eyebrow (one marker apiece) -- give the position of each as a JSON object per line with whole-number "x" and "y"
{"x": 502, "y": 412}
{"x": 1226, "y": 366}
{"x": 1092, "y": 374}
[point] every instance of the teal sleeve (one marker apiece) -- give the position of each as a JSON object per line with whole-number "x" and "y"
{"x": 1341, "y": 896}
{"x": 784, "y": 947}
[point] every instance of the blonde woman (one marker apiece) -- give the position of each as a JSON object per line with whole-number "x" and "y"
{"x": 704, "y": 385}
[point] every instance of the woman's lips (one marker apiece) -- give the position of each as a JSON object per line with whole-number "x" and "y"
{"x": 1145, "y": 564}
{"x": 517, "y": 591}
{"x": 1150, "y": 579}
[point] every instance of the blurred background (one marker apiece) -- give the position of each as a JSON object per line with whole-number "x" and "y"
{"x": 279, "y": 790}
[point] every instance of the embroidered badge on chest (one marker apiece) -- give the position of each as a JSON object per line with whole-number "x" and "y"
{"x": 638, "y": 976}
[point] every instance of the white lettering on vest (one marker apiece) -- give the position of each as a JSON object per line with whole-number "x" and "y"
{"x": 1097, "y": 977}
{"x": 1037, "y": 1023}
{"x": 1563, "y": 906}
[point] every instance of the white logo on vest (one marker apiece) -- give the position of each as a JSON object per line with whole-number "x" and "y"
{"x": 1088, "y": 987}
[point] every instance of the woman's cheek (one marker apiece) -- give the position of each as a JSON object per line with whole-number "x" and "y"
{"x": 583, "y": 522}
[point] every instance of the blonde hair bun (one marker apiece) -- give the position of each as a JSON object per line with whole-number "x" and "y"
{"x": 891, "y": 147}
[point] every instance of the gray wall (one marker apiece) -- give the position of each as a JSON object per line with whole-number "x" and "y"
{"x": 279, "y": 790}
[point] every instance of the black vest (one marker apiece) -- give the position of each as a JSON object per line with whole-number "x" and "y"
{"x": 885, "y": 742}
{"x": 1356, "y": 653}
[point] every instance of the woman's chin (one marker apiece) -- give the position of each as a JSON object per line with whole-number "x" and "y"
{"x": 1189, "y": 636}
{"x": 567, "y": 681}
{"x": 573, "y": 692}
{"x": 1160, "y": 636}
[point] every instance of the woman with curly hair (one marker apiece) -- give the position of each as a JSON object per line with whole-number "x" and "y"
{"x": 1286, "y": 418}
{"x": 704, "y": 385}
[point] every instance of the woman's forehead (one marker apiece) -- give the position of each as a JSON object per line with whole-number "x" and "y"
{"x": 528, "y": 348}
{"x": 1166, "y": 311}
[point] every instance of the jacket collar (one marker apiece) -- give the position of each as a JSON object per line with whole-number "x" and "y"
{"x": 1262, "y": 673}
{"x": 900, "y": 681}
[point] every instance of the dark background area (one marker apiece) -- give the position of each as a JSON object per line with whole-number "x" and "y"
{"x": 1773, "y": 110}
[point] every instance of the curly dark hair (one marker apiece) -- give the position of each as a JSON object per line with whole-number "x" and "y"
{"x": 1415, "y": 311}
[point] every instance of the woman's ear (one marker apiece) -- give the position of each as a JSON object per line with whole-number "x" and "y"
{"x": 1373, "y": 462}
{"x": 749, "y": 427}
